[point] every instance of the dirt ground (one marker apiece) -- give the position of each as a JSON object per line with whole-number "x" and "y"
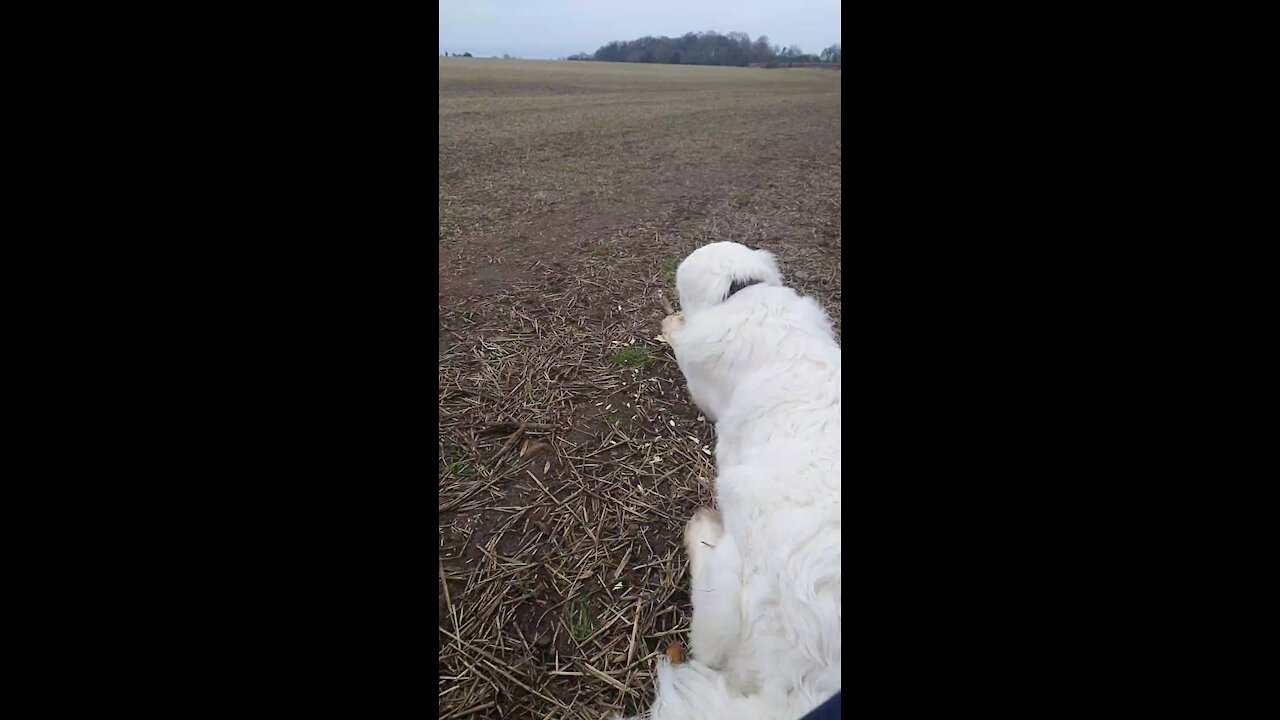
{"x": 571, "y": 457}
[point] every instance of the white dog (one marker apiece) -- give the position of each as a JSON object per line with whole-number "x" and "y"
{"x": 762, "y": 362}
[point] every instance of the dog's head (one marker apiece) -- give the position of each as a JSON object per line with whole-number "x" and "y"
{"x": 714, "y": 272}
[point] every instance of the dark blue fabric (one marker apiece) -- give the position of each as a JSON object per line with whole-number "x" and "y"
{"x": 829, "y": 710}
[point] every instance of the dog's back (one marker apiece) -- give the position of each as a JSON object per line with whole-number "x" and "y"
{"x": 778, "y": 486}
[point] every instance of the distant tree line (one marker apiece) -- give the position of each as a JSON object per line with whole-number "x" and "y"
{"x": 706, "y": 48}
{"x": 465, "y": 54}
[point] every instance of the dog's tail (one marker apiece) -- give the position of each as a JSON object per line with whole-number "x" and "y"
{"x": 693, "y": 691}
{"x": 712, "y": 273}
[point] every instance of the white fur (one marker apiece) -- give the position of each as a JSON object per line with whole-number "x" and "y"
{"x": 765, "y": 366}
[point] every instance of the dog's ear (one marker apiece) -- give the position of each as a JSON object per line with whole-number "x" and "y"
{"x": 773, "y": 274}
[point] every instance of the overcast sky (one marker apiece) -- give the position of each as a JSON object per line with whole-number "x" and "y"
{"x": 550, "y": 29}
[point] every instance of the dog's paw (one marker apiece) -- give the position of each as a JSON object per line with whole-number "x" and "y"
{"x": 671, "y": 325}
{"x": 703, "y": 531}
{"x": 675, "y": 653}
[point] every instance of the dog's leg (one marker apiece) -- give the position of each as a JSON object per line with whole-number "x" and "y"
{"x": 701, "y": 390}
{"x": 701, "y": 535}
{"x": 716, "y": 579}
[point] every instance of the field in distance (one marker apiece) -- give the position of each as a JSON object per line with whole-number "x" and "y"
{"x": 530, "y": 150}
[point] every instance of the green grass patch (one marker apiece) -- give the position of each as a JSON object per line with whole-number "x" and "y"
{"x": 633, "y": 357}
{"x": 581, "y": 624}
{"x": 526, "y": 592}
{"x": 460, "y": 468}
